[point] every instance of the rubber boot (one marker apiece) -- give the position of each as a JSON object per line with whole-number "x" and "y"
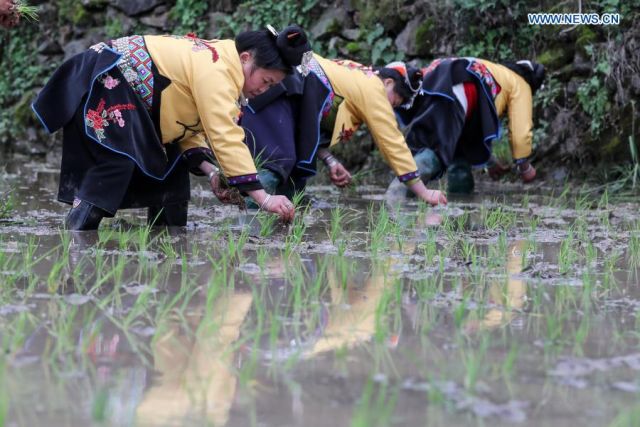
{"x": 168, "y": 216}
{"x": 83, "y": 216}
{"x": 460, "y": 178}
{"x": 429, "y": 167}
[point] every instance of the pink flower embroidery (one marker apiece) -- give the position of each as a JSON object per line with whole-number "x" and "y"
{"x": 200, "y": 45}
{"x": 432, "y": 66}
{"x": 482, "y": 72}
{"x": 352, "y": 65}
{"x": 110, "y": 83}
{"x": 99, "y": 118}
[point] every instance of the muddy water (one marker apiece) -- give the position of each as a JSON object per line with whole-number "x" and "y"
{"x": 510, "y": 308}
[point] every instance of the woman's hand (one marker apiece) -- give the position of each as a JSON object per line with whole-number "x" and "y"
{"x": 436, "y": 197}
{"x": 226, "y": 195}
{"x": 9, "y": 16}
{"x": 279, "y": 205}
{"x": 340, "y": 176}
{"x": 433, "y": 197}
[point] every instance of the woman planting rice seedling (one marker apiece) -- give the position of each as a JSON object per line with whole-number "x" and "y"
{"x": 294, "y": 124}
{"x": 137, "y": 112}
{"x": 455, "y": 119}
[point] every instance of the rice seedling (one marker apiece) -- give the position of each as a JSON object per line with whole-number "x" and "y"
{"x": 627, "y": 417}
{"x": 299, "y": 226}
{"x": 508, "y": 365}
{"x": 581, "y": 334}
{"x": 166, "y": 246}
{"x": 567, "y": 255}
{"x": 376, "y": 405}
{"x": 379, "y": 228}
{"x": 99, "y": 405}
{"x": 468, "y": 252}
{"x": 267, "y": 223}
{"x": 633, "y": 249}
{"x": 235, "y": 245}
{"x": 473, "y": 361}
{"x": 336, "y": 227}
{"x": 30, "y": 13}
{"x": 497, "y": 218}
{"x": 429, "y": 246}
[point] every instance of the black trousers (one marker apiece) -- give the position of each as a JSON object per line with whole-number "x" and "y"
{"x": 110, "y": 181}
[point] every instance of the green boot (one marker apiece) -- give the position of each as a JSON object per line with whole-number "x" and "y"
{"x": 429, "y": 165}
{"x": 460, "y": 178}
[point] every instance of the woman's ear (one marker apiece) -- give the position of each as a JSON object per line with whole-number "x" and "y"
{"x": 245, "y": 57}
{"x": 389, "y": 83}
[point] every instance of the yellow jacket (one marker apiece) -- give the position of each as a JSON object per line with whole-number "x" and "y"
{"x": 365, "y": 101}
{"x": 515, "y": 96}
{"x": 203, "y": 98}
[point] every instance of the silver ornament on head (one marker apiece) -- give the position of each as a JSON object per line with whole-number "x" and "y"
{"x": 304, "y": 66}
{"x": 272, "y": 30}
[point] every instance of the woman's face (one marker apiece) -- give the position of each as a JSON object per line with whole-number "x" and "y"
{"x": 257, "y": 80}
{"x": 394, "y": 99}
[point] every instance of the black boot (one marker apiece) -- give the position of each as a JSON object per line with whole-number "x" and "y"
{"x": 168, "y": 216}
{"x": 83, "y": 216}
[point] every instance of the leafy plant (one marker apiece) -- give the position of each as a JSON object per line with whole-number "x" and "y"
{"x": 188, "y": 14}
{"x": 6, "y": 204}
{"x": 593, "y": 95}
{"x": 255, "y": 14}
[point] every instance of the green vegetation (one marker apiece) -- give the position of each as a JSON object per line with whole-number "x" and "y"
{"x": 188, "y": 15}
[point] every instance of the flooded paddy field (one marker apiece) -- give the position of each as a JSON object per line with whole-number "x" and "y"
{"x": 503, "y": 308}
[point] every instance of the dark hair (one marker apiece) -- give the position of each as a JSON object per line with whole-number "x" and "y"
{"x": 532, "y": 72}
{"x": 401, "y": 87}
{"x": 275, "y": 52}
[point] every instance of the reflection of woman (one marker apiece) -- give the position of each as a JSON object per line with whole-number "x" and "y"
{"x": 455, "y": 118}
{"x": 196, "y": 374}
{"x": 314, "y": 113}
{"x": 352, "y": 315}
{"x": 137, "y": 113}
{"x": 504, "y": 305}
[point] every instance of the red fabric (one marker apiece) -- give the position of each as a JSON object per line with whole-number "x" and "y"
{"x": 472, "y": 97}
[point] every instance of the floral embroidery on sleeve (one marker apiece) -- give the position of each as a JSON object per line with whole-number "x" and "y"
{"x": 352, "y": 65}
{"x": 99, "y": 118}
{"x": 432, "y": 66}
{"x": 345, "y": 134}
{"x": 200, "y": 45}
{"x": 483, "y": 73}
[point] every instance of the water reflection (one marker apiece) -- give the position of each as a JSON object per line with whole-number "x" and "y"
{"x": 196, "y": 374}
{"x": 352, "y": 312}
{"x": 504, "y": 305}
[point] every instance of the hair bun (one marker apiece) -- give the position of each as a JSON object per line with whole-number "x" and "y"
{"x": 292, "y": 43}
{"x": 415, "y": 76}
